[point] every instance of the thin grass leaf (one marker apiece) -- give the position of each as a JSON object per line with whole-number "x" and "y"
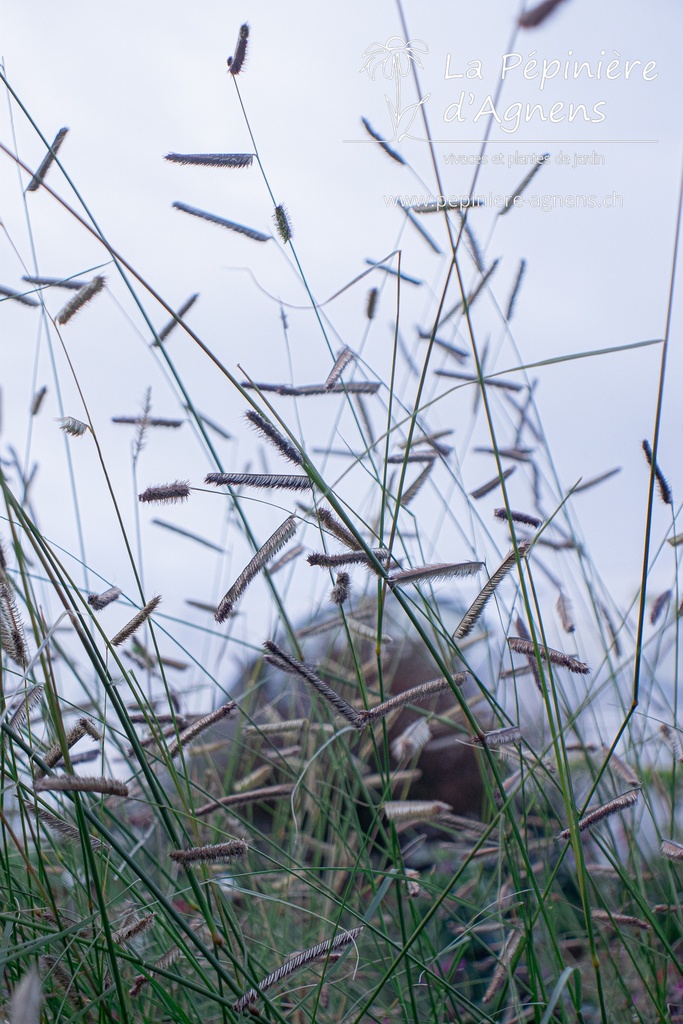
{"x": 213, "y": 218}
{"x": 188, "y": 533}
{"x": 475, "y": 610}
{"x": 275, "y": 542}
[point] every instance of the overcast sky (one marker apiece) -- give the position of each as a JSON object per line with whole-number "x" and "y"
{"x": 134, "y": 81}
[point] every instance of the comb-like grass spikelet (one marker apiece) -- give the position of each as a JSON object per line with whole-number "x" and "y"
{"x": 415, "y": 695}
{"x": 200, "y": 726}
{"x": 272, "y": 434}
{"x": 620, "y": 803}
{"x": 327, "y": 519}
{"x": 472, "y": 298}
{"x": 135, "y": 928}
{"x": 410, "y": 742}
{"x": 131, "y": 627}
{"x": 620, "y": 768}
{"x": 282, "y": 223}
{"x": 325, "y": 950}
{"x": 81, "y": 784}
{"x": 83, "y": 727}
{"x": 658, "y": 606}
{"x": 213, "y": 218}
{"x": 12, "y": 636}
{"x": 148, "y": 421}
{"x": 535, "y": 16}
{"x": 382, "y": 144}
{"x": 417, "y": 484}
{"x": 19, "y": 297}
{"x": 82, "y": 296}
{"x": 65, "y": 829}
{"x": 419, "y": 456}
{"x": 524, "y": 184}
{"x": 340, "y": 364}
{"x": 415, "y": 810}
{"x": 162, "y": 964}
{"x": 619, "y": 920}
{"x": 518, "y": 517}
{"x": 236, "y": 62}
{"x": 100, "y": 601}
{"x": 499, "y": 975}
{"x": 252, "y": 797}
{"x": 371, "y": 303}
{"x": 71, "y": 283}
{"x": 366, "y": 632}
{"x": 206, "y": 854}
{"x": 211, "y": 159}
{"x": 38, "y": 400}
{"x": 502, "y": 737}
{"x": 585, "y": 485}
{"x": 341, "y": 589}
{"x": 276, "y": 656}
{"x": 325, "y": 561}
{"x": 73, "y": 427}
{"x": 442, "y": 571}
{"x": 288, "y": 557}
{"x": 515, "y": 290}
{"x": 491, "y": 382}
{"x": 38, "y": 178}
{"x": 266, "y": 481}
{"x": 672, "y": 850}
{"x": 490, "y": 485}
{"x": 564, "y": 610}
{"x": 526, "y": 647}
{"x": 275, "y": 542}
{"x": 172, "y": 324}
{"x": 475, "y": 610}
{"x": 673, "y": 740}
{"x": 662, "y": 482}
{"x": 20, "y": 709}
{"x": 354, "y": 387}
{"x": 166, "y": 494}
